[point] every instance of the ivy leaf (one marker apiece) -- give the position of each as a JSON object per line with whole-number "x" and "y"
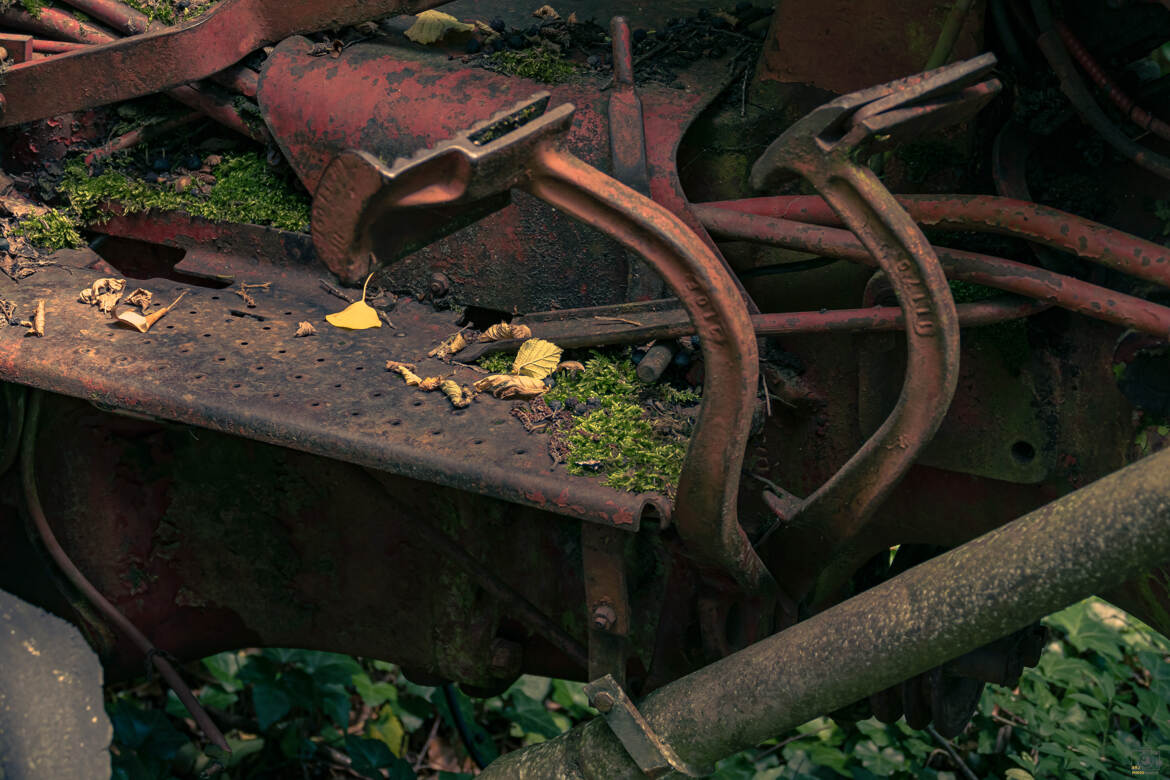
{"x": 537, "y": 358}
{"x": 1085, "y": 631}
{"x": 387, "y": 728}
{"x": 531, "y": 715}
{"x": 430, "y": 26}
{"x": 369, "y": 756}
{"x": 359, "y": 315}
{"x": 271, "y": 704}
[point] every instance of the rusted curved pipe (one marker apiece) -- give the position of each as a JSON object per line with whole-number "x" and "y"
{"x": 1138, "y": 115}
{"x": 1084, "y": 238}
{"x": 1008, "y": 275}
{"x": 705, "y": 506}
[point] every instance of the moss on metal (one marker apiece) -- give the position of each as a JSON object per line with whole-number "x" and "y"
{"x": 247, "y": 189}
{"x": 51, "y": 230}
{"x": 537, "y": 64}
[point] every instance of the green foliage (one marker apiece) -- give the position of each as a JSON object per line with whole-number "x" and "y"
{"x": 246, "y": 189}
{"x": 1162, "y": 212}
{"x": 636, "y": 450}
{"x": 52, "y": 230}
{"x": 537, "y": 64}
{"x": 497, "y": 362}
{"x": 168, "y": 11}
{"x": 1096, "y": 705}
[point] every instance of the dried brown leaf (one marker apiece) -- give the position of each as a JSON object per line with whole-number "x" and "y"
{"x": 430, "y": 26}
{"x": 305, "y": 328}
{"x": 139, "y": 298}
{"x": 430, "y": 383}
{"x": 103, "y": 293}
{"x": 412, "y": 379}
{"x": 546, "y": 12}
{"x": 450, "y": 346}
{"x": 511, "y": 386}
{"x": 37, "y": 326}
{"x": 460, "y": 396}
{"x": 143, "y": 324}
{"x": 394, "y": 365}
{"x": 572, "y": 18}
{"x": 506, "y": 330}
{"x": 537, "y": 358}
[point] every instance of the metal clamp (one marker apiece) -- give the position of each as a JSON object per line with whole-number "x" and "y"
{"x": 652, "y": 755}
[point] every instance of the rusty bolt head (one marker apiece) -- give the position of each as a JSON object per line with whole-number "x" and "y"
{"x": 603, "y": 702}
{"x": 604, "y": 617}
{"x": 440, "y": 285}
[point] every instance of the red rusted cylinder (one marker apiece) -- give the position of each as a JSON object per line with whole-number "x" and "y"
{"x": 1008, "y": 275}
{"x": 219, "y": 110}
{"x": 887, "y": 317}
{"x": 120, "y": 16}
{"x": 55, "y": 23}
{"x": 42, "y": 46}
{"x": 991, "y": 214}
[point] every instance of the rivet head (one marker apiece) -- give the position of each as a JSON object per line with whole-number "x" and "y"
{"x": 604, "y": 617}
{"x": 603, "y": 701}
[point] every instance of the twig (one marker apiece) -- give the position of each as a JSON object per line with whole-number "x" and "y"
{"x": 775, "y": 488}
{"x": 946, "y": 745}
{"x": 475, "y": 368}
{"x": 743, "y": 94}
{"x": 619, "y": 319}
{"x": 422, "y": 754}
{"x": 767, "y": 395}
{"x": 327, "y": 287}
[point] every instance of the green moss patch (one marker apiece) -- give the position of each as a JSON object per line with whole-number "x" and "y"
{"x": 607, "y": 423}
{"x": 246, "y": 189}
{"x": 52, "y": 230}
{"x": 536, "y": 64}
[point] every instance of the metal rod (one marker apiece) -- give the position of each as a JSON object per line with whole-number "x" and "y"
{"x": 134, "y": 137}
{"x": 1083, "y": 543}
{"x": 1084, "y": 238}
{"x": 91, "y": 593}
{"x": 1064, "y": 291}
{"x": 120, "y": 16}
{"x": 41, "y": 46}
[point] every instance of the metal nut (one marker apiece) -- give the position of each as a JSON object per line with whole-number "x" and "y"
{"x": 440, "y": 285}
{"x": 604, "y": 617}
{"x": 603, "y": 702}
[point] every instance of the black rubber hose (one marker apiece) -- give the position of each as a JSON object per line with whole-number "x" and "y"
{"x": 461, "y": 726}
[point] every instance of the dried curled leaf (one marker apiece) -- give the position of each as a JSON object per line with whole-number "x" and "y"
{"x": 139, "y": 298}
{"x": 143, "y": 324}
{"x": 450, "y": 346}
{"x": 571, "y": 365}
{"x": 394, "y": 365}
{"x": 430, "y": 383}
{"x": 305, "y": 329}
{"x": 103, "y": 293}
{"x": 430, "y": 26}
{"x": 37, "y": 326}
{"x": 537, "y": 358}
{"x": 546, "y": 12}
{"x": 460, "y": 396}
{"x": 506, "y": 330}
{"x": 511, "y": 386}
{"x": 359, "y": 315}
{"x": 412, "y": 379}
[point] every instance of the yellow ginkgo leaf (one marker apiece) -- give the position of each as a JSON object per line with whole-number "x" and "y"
{"x": 430, "y": 26}
{"x": 511, "y": 386}
{"x": 537, "y": 358}
{"x": 359, "y": 315}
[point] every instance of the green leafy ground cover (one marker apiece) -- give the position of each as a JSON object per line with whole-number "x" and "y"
{"x": 1095, "y": 707}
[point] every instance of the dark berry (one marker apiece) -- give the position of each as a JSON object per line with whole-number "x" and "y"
{"x": 150, "y": 177}
{"x": 682, "y": 358}
{"x": 473, "y": 46}
{"x": 498, "y": 25}
{"x": 554, "y": 404}
{"x": 550, "y": 383}
{"x": 516, "y": 41}
{"x": 593, "y": 403}
{"x": 3, "y": 244}
{"x": 594, "y": 61}
{"x": 571, "y": 402}
{"x": 636, "y": 358}
{"x": 639, "y": 35}
{"x": 182, "y": 5}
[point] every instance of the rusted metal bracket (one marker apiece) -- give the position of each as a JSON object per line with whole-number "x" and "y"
{"x": 603, "y": 563}
{"x": 365, "y": 211}
{"x": 652, "y": 755}
{"x": 144, "y": 64}
{"x": 820, "y": 148}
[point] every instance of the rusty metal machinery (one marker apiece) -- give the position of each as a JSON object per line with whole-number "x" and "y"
{"x": 210, "y": 485}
